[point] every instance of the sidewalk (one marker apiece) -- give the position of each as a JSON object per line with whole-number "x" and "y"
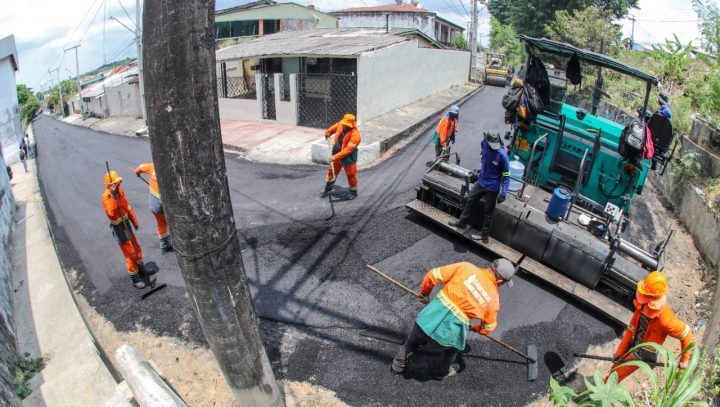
{"x": 47, "y": 319}
{"x": 270, "y": 142}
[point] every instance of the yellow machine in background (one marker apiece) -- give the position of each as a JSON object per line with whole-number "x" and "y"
{"x": 496, "y": 69}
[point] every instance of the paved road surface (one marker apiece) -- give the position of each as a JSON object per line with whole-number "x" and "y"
{"x": 308, "y": 273}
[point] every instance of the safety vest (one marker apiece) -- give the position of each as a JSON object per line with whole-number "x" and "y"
{"x": 654, "y": 326}
{"x": 347, "y": 142}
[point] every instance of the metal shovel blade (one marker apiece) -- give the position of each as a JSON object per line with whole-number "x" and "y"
{"x": 532, "y": 364}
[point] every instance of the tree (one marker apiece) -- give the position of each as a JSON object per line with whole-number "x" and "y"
{"x": 459, "y": 42}
{"x": 531, "y": 16}
{"x": 503, "y": 38}
{"x": 178, "y": 45}
{"x": 709, "y": 25}
{"x": 585, "y": 29}
{"x": 28, "y": 103}
{"x": 675, "y": 59}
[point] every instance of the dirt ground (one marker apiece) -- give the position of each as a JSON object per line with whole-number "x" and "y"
{"x": 191, "y": 369}
{"x": 690, "y": 284}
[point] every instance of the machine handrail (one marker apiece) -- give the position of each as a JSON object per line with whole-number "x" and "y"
{"x": 530, "y": 161}
{"x": 577, "y": 184}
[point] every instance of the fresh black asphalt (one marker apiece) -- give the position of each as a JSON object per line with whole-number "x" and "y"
{"x": 308, "y": 270}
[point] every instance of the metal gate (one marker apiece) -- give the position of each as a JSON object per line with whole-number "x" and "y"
{"x": 268, "y": 98}
{"x": 324, "y": 98}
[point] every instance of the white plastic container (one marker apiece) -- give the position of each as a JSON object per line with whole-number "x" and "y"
{"x": 517, "y": 170}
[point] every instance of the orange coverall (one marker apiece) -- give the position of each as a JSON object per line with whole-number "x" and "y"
{"x": 346, "y": 158}
{"x": 662, "y": 323}
{"x": 155, "y": 202}
{"x": 120, "y": 214}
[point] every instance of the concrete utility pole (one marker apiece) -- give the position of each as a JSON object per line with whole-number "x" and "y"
{"x": 184, "y": 127}
{"x": 632, "y": 33}
{"x": 77, "y": 78}
{"x": 60, "y": 93}
{"x": 138, "y": 35}
{"x": 473, "y": 41}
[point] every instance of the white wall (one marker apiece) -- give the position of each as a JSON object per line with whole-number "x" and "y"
{"x": 403, "y": 73}
{"x": 10, "y": 126}
{"x": 124, "y": 100}
{"x": 8, "y": 352}
{"x": 243, "y": 109}
{"x": 424, "y": 22}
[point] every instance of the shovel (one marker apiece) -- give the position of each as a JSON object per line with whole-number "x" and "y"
{"x": 530, "y": 357}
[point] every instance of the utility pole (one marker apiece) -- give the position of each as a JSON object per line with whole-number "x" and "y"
{"x": 632, "y": 33}
{"x": 138, "y": 35}
{"x": 184, "y": 126}
{"x": 473, "y": 41}
{"x": 77, "y": 78}
{"x": 60, "y": 93}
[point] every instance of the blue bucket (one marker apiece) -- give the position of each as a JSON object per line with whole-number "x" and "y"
{"x": 559, "y": 203}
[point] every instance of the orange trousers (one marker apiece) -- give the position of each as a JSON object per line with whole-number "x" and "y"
{"x": 133, "y": 254}
{"x": 350, "y": 172}
{"x": 162, "y": 226}
{"x": 624, "y": 371}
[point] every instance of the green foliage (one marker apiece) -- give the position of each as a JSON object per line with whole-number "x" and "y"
{"x": 459, "y": 41}
{"x": 503, "y": 39}
{"x": 687, "y": 167}
{"x": 674, "y": 58}
{"x": 711, "y": 365}
{"x": 69, "y": 87}
{"x": 709, "y": 14}
{"x": 530, "y": 16}
{"x": 585, "y": 29}
{"x": 25, "y": 369}
{"x": 28, "y": 103}
{"x": 675, "y": 387}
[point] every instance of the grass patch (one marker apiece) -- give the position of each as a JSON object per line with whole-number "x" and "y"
{"x": 26, "y": 368}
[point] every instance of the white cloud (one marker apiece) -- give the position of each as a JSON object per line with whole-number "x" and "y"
{"x": 658, "y": 20}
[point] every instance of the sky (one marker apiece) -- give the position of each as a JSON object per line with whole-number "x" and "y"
{"x": 43, "y": 29}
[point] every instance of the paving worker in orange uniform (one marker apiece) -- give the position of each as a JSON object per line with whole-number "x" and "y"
{"x": 120, "y": 213}
{"x": 470, "y": 292}
{"x": 446, "y": 129}
{"x": 652, "y": 321}
{"x": 156, "y": 206}
{"x": 344, "y": 154}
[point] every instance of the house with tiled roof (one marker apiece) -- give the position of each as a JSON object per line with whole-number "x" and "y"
{"x": 400, "y": 16}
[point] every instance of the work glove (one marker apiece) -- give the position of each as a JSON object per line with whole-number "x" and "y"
{"x": 479, "y": 329}
{"x": 501, "y": 199}
{"x": 425, "y": 299}
{"x": 332, "y": 158}
{"x": 474, "y": 176}
{"x": 683, "y": 364}
{"x": 136, "y": 226}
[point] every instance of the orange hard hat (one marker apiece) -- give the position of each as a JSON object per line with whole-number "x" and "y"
{"x": 112, "y": 178}
{"x": 654, "y": 285}
{"x": 348, "y": 120}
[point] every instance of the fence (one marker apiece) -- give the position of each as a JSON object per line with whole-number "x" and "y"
{"x": 237, "y": 87}
{"x": 324, "y": 98}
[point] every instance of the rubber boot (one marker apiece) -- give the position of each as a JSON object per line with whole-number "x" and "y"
{"x": 456, "y": 223}
{"x": 328, "y": 189}
{"x": 165, "y": 244}
{"x": 454, "y": 368}
{"x": 138, "y": 281}
{"x": 352, "y": 195}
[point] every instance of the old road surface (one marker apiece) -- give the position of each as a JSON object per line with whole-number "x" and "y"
{"x": 339, "y": 325}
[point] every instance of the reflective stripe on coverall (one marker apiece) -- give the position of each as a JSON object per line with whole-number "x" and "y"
{"x": 346, "y": 142}
{"x": 121, "y": 215}
{"x": 662, "y": 323}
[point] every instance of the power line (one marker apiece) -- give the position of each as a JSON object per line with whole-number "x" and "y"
{"x": 126, "y": 13}
{"x": 668, "y": 21}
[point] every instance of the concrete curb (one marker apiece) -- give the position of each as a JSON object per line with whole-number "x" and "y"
{"x": 368, "y": 154}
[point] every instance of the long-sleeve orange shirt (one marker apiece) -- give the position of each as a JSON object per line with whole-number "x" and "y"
{"x": 149, "y": 169}
{"x": 470, "y": 292}
{"x": 349, "y": 145}
{"x": 662, "y": 323}
{"x": 446, "y": 129}
{"x": 118, "y": 210}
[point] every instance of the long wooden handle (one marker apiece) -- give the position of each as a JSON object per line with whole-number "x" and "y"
{"x": 506, "y": 346}
{"x": 609, "y": 359}
{"x": 139, "y": 176}
{"x": 397, "y": 283}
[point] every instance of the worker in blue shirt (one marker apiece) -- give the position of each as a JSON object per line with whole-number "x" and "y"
{"x": 491, "y": 187}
